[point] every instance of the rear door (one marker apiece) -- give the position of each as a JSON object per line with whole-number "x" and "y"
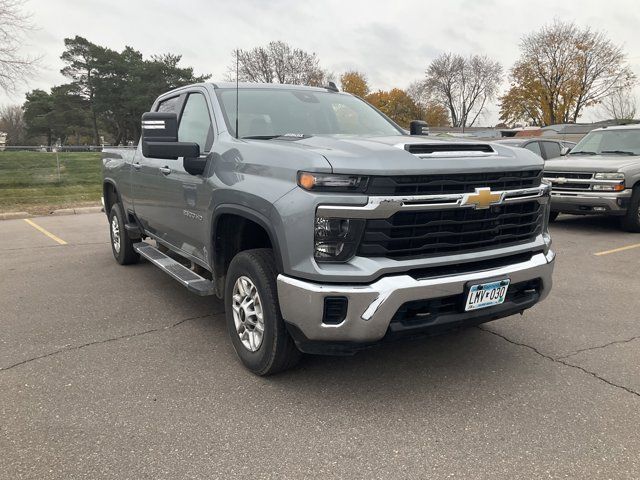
{"x": 186, "y": 197}
{"x": 535, "y": 148}
{"x": 148, "y": 180}
{"x": 551, "y": 149}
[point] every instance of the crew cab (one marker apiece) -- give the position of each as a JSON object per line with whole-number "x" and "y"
{"x": 321, "y": 224}
{"x": 601, "y": 176}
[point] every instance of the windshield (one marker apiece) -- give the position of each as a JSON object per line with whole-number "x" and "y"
{"x": 621, "y": 142}
{"x": 268, "y": 113}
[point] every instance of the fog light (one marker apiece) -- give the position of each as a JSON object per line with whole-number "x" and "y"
{"x": 599, "y": 209}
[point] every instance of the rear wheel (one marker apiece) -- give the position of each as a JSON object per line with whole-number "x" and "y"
{"x": 121, "y": 243}
{"x": 631, "y": 221}
{"x": 553, "y": 216}
{"x": 255, "y": 324}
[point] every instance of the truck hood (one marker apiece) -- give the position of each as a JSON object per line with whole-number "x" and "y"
{"x": 591, "y": 163}
{"x": 387, "y": 155}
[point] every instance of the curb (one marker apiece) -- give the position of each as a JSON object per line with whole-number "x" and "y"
{"x": 76, "y": 211}
{"x": 14, "y": 215}
{"x": 61, "y": 211}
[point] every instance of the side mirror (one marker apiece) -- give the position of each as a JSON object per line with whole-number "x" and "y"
{"x": 564, "y": 151}
{"x": 418, "y": 127}
{"x": 160, "y": 137}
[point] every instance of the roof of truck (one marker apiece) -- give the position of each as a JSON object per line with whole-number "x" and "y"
{"x": 633, "y": 126}
{"x": 267, "y": 85}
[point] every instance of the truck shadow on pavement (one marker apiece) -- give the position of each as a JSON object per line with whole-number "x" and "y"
{"x": 461, "y": 360}
{"x": 587, "y": 224}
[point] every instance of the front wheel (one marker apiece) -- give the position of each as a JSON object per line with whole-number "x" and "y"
{"x": 631, "y": 221}
{"x": 254, "y": 322}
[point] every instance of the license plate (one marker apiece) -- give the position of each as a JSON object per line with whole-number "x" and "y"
{"x": 486, "y": 295}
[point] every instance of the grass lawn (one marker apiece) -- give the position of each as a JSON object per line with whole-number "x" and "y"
{"x": 29, "y": 181}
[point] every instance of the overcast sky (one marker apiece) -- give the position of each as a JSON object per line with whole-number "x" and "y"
{"x": 391, "y": 41}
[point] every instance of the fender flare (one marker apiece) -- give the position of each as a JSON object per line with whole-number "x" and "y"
{"x": 254, "y": 216}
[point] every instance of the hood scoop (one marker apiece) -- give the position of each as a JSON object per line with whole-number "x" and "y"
{"x": 449, "y": 149}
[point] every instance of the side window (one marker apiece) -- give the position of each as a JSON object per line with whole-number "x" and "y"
{"x": 170, "y": 105}
{"x": 552, "y": 149}
{"x": 534, "y": 147}
{"x": 195, "y": 124}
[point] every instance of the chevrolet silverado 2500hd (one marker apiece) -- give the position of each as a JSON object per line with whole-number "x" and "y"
{"x": 321, "y": 224}
{"x": 601, "y": 176}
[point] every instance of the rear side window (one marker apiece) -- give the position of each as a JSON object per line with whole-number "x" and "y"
{"x": 534, "y": 147}
{"x": 195, "y": 123}
{"x": 170, "y": 105}
{"x": 552, "y": 149}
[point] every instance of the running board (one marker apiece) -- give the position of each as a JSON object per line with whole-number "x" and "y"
{"x": 188, "y": 278}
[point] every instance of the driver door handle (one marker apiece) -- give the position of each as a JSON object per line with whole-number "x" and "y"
{"x": 165, "y": 170}
{"x": 137, "y": 166}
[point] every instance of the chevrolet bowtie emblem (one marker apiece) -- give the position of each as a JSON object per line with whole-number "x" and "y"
{"x": 483, "y": 198}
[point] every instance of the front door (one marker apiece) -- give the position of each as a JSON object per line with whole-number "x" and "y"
{"x": 148, "y": 180}
{"x": 184, "y": 210}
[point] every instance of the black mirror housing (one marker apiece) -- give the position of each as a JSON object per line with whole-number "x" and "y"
{"x": 418, "y": 127}
{"x": 170, "y": 150}
{"x": 160, "y": 137}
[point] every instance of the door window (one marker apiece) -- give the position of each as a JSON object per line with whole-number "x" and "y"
{"x": 534, "y": 147}
{"x": 170, "y": 105}
{"x": 552, "y": 149}
{"x": 195, "y": 124}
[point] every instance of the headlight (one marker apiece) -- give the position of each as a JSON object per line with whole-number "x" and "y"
{"x": 608, "y": 188}
{"x": 336, "y": 239}
{"x": 609, "y": 176}
{"x": 328, "y": 182}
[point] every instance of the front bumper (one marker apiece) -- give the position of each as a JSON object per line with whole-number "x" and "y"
{"x": 372, "y": 307}
{"x": 586, "y": 203}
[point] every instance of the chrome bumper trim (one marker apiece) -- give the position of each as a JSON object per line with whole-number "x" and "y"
{"x": 371, "y": 307}
{"x": 570, "y": 201}
{"x": 386, "y": 206}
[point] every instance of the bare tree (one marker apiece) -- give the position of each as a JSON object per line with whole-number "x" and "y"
{"x": 277, "y": 62}
{"x": 15, "y": 68}
{"x": 12, "y": 123}
{"x": 620, "y": 105}
{"x": 463, "y": 85}
{"x": 562, "y": 70}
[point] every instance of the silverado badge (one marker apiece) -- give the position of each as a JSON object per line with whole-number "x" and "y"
{"x": 482, "y": 198}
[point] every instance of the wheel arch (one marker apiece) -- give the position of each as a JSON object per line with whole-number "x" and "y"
{"x": 244, "y": 221}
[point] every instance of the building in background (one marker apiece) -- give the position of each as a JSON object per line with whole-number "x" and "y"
{"x": 3, "y": 141}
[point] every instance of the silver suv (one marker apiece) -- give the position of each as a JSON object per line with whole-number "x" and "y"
{"x": 601, "y": 176}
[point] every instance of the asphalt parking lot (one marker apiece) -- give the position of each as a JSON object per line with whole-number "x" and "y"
{"x": 118, "y": 372}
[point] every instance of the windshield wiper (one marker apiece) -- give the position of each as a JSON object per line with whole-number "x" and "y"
{"x": 286, "y": 136}
{"x": 260, "y": 137}
{"x": 583, "y": 152}
{"x": 620, "y": 152}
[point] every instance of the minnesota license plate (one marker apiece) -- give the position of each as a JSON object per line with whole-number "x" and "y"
{"x": 486, "y": 295}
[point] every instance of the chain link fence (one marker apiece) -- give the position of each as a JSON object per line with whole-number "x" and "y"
{"x": 42, "y": 178}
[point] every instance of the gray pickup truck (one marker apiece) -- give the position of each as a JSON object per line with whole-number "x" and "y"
{"x": 322, "y": 225}
{"x": 601, "y": 176}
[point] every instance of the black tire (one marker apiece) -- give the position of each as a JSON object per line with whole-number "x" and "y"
{"x": 125, "y": 254}
{"x": 553, "y": 216}
{"x": 276, "y": 351}
{"x": 631, "y": 221}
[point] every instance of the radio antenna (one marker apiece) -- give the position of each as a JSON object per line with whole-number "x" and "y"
{"x": 237, "y": 93}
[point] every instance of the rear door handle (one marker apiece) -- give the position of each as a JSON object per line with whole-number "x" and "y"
{"x": 165, "y": 170}
{"x": 137, "y": 166}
